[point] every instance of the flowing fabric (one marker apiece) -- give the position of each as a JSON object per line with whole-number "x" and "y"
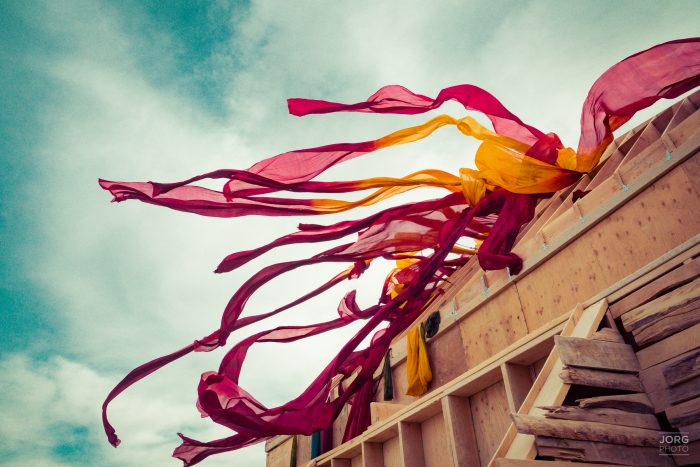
{"x": 517, "y": 164}
{"x": 418, "y": 372}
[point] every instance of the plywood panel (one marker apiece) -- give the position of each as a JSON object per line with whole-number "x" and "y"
{"x": 401, "y": 384}
{"x": 391, "y": 453}
{"x": 411, "y": 444}
{"x": 339, "y": 425}
{"x": 492, "y": 327}
{"x": 356, "y": 461}
{"x": 491, "y": 419}
{"x": 460, "y": 430}
{"x": 447, "y": 358}
{"x": 281, "y": 456}
{"x": 303, "y": 450}
{"x": 436, "y": 450}
{"x": 658, "y": 219}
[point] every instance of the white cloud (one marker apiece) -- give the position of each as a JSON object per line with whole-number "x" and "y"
{"x": 130, "y": 282}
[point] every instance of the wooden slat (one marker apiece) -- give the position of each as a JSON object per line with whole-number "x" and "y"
{"x": 601, "y": 379}
{"x": 646, "y": 314}
{"x": 685, "y": 413}
{"x": 672, "y": 323}
{"x": 683, "y": 370}
{"x": 586, "y": 431}
{"x": 503, "y": 462}
{"x": 598, "y": 354}
{"x": 693, "y": 457}
{"x": 608, "y": 335}
{"x": 611, "y": 416}
{"x": 672, "y": 279}
{"x": 670, "y": 347}
{"x": 637, "y": 403}
{"x": 637, "y": 456}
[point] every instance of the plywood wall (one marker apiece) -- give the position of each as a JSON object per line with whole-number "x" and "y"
{"x": 491, "y": 419}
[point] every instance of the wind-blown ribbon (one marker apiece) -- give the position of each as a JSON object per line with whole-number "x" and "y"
{"x": 517, "y": 164}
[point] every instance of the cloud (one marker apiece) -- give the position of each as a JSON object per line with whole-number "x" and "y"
{"x": 129, "y": 282}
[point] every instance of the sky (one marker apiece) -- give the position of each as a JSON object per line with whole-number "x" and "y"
{"x": 151, "y": 90}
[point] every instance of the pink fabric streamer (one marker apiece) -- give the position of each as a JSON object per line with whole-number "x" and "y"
{"x": 435, "y": 226}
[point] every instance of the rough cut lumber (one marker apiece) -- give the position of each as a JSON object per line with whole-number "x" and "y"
{"x": 683, "y": 298}
{"x": 601, "y": 379}
{"x": 638, "y": 403}
{"x": 658, "y": 391}
{"x": 692, "y": 430}
{"x": 685, "y": 413}
{"x": 670, "y": 324}
{"x": 586, "y": 431}
{"x": 683, "y": 370}
{"x": 611, "y": 416}
{"x": 693, "y": 457}
{"x": 503, "y": 462}
{"x": 589, "y": 451}
{"x": 672, "y": 279}
{"x": 609, "y": 335}
{"x": 382, "y": 410}
{"x": 603, "y": 355}
{"x": 670, "y": 347}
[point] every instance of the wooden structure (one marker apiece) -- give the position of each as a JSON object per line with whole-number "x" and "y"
{"x": 591, "y": 354}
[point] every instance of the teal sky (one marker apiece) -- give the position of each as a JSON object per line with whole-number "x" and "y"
{"x": 156, "y": 90}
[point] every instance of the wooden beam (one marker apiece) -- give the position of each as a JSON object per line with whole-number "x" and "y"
{"x": 589, "y": 451}
{"x": 672, "y": 279}
{"x": 683, "y": 370}
{"x": 503, "y": 462}
{"x": 685, "y": 413}
{"x": 601, "y": 379}
{"x": 672, "y": 323}
{"x": 586, "y": 431}
{"x": 637, "y": 403}
{"x": 648, "y": 313}
{"x": 670, "y": 347}
{"x": 598, "y": 354}
{"x": 603, "y": 415}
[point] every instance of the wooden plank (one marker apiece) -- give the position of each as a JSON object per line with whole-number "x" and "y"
{"x": 692, "y": 431}
{"x": 335, "y": 462}
{"x": 436, "y": 449}
{"x": 372, "y": 454}
{"x": 603, "y": 415}
{"x": 586, "y": 431}
{"x": 588, "y": 451}
{"x": 608, "y": 335}
{"x": 672, "y": 279}
{"x": 411, "y": 444}
{"x": 637, "y": 403}
{"x": 517, "y": 380}
{"x": 685, "y": 413}
{"x": 601, "y": 379}
{"x": 603, "y": 355}
{"x": 662, "y": 396}
{"x": 684, "y": 369}
{"x": 503, "y": 462}
{"x": 693, "y": 457}
{"x": 282, "y": 455}
{"x": 548, "y": 388}
{"x": 648, "y": 313}
{"x": 460, "y": 431}
{"x": 674, "y": 322}
{"x": 670, "y": 347}
{"x": 380, "y": 411}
